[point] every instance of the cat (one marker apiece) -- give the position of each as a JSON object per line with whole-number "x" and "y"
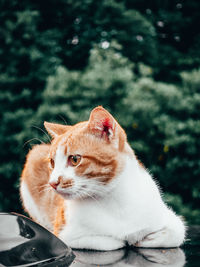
{"x": 88, "y": 187}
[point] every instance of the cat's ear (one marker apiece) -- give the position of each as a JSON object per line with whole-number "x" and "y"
{"x": 103, "y": 125}
{"x": 55, "y": 129}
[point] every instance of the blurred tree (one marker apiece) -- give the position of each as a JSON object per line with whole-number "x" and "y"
{"x": 62, "y": 58}
{"x": 26, "y": 58}
{"x": 72, "y": 94}
{"x": 82, "y": 24}
{"x": 177, "y": 33}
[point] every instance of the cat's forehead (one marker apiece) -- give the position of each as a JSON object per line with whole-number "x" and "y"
{"x": 80, "y": 143}
{"x": 76, "y": 140}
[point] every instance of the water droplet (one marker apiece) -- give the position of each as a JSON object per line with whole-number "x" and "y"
{"x": 139, "y": 38}
{"x": 75, "y": 40}
{"x": 77, "y": 20}
{"x": 179, "y": 5}
{"x": 148, "y": 11}
{"x": 160, "y": 23}
{"x": 177, "y": 38}
{"x": 105, "y": 44}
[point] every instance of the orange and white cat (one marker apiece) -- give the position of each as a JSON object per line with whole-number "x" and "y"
{"x": 88, "y": 187}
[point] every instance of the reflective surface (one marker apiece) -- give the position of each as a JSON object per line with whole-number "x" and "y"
{"x": 25, "y": 243}
{"x": 187, "y": 256}
{"x": 131, "y": 257}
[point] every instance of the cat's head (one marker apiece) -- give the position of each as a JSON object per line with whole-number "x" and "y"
{"x": 86, "y": 158}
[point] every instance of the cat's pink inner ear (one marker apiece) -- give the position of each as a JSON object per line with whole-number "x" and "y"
{"x": 55, "y": 129}
{"x": 102, "y": 123}
{"x": 107, "y": 127}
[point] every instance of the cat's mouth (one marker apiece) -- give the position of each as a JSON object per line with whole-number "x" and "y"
{"x": 65, "y": 194}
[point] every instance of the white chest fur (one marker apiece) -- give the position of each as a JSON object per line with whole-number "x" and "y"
{"x": 131, "y": 212}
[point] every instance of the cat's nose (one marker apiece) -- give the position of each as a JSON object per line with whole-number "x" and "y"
{"x": 54, "y": 184}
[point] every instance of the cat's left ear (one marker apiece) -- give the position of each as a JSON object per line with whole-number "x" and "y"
{"x": 103, "y": 125}
{"x": 55, "y": 129}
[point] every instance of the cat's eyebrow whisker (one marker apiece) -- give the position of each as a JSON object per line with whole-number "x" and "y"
{"x": 35, "y": 138}
{"x": 36, "y": 127}
{"x": 63, "y": 119}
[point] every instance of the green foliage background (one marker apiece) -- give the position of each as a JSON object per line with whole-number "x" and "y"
{"x": 139, "y": 59}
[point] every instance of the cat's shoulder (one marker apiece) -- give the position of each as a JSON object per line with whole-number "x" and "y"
{"x": 37, "y": 159}
{"x": 36, "y": 164}
{"x": 39, "y": 151}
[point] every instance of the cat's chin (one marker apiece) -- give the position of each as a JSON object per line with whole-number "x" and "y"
{"x": 70, "y": 196}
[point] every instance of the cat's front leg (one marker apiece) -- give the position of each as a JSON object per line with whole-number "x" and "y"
{"x": 95, "y": 242}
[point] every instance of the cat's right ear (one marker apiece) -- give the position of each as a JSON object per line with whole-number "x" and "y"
{"x": 102, "y": 124}
{"x": 55, "y": 129}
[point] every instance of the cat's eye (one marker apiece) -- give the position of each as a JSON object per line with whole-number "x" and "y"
{"x": 52, "y": 163}
{"x": 74, "y": 160}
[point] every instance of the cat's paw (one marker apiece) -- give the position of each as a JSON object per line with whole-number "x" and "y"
{"x": 153, "y": 240}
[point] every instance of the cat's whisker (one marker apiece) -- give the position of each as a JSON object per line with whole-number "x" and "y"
{"x": 111, "y": 185}
{"x": 45, "y": 188}
{"x": 80, "y": 196}
{"x": 42, "y": 186}
{"x": 63, "y": 119}
{"x": 35, "y": 138}
{"x": 84, "y": 192}
{"x": 36, "y": 127}
{"x": 94, "y": 198}
{"x": 79, "y": 186}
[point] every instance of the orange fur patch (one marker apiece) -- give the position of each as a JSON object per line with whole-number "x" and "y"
{"x": 36, "y": 176}
{"x": 60, "y": 218}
